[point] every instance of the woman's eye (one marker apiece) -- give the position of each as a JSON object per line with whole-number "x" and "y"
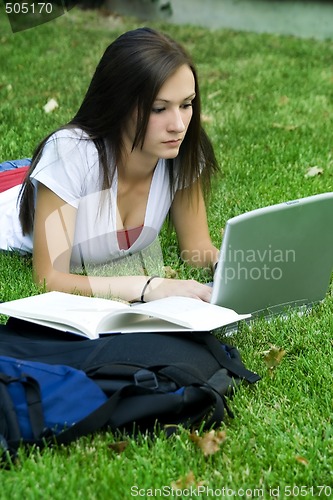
{"x": 158, "y": 110}
{"x": 187, "y": 105}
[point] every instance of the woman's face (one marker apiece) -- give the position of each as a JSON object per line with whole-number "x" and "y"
{"x": 170, "y": 116}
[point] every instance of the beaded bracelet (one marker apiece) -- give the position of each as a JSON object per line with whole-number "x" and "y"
{"x": 146, "y": 286}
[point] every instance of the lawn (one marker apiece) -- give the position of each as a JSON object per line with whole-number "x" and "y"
{"x": 268, "y": 107}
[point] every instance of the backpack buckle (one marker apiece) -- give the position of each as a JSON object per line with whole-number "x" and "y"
{"x": 146, "y": 378}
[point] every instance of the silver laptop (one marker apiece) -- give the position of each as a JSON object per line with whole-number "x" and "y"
{"x": 275, "y": 258}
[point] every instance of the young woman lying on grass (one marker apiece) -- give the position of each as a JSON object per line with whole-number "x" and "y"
{"x": 100, "y": 188}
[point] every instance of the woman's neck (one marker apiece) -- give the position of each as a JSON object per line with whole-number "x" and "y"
{"x": 136, "y": 167}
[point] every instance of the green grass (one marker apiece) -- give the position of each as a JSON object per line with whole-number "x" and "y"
{"x": 268, "y": 106}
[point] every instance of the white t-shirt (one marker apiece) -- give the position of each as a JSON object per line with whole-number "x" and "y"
{"x": 69, "y": 167}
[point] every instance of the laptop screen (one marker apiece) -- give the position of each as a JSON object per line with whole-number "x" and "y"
{"x": 276, "y": 257}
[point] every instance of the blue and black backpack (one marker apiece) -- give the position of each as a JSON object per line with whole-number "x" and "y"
{"x": 55, "y": 390}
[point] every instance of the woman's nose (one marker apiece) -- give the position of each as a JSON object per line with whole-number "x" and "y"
{"x": 176, "y": 123}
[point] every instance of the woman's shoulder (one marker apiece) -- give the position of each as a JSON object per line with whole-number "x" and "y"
{"x": 67, "y": 153}
{"x": 70, "y": 143}
{"x": 70, "y": 134}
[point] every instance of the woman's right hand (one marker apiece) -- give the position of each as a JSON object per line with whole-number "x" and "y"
{"x": 159, "y": 288}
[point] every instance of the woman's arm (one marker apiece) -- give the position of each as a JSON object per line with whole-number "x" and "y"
{"x": 54, "y": 229}
{"x": 188, "y": 214}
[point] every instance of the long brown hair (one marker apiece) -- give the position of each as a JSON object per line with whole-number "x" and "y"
{"x": 128, "y": 77}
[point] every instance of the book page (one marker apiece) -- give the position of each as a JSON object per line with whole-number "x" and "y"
{"x": 190, "y": 313}
{"x": 131, "y": 323}
{"x": 63, "y": 311}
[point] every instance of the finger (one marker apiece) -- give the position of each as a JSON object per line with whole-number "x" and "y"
{"x": 204, "y": 293}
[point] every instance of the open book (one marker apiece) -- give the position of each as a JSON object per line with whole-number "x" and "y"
{"x": 92, "y": 316}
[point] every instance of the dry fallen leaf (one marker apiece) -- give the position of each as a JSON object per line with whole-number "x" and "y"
{"x": 6, "y": 86}
{"x": 283, "y": 100}
{"x": 206, "y": 118}
{"x": 185, "y": 482}
{"x": 212, "y": 95}
{"x": 210, "y": 442}
{"x": 302, "y": 460}
{"x": 285, "y": 127}
{"x": 119, "y": 446}
{"x": 273, "y": 356}
{"x": 50, "y": 106}
{"x": 314, "y": 171}
{"x": 169, "y": 272}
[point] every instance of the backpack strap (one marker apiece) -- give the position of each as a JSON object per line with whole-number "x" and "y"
{"x": 34, "y": 406}
{"x": 96, "y": 420}
{"x": 236, "y": 368}
{"x": 9, "y": 426}
{"x": 34, "y": 403}
{"x": 182, "y": 375}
